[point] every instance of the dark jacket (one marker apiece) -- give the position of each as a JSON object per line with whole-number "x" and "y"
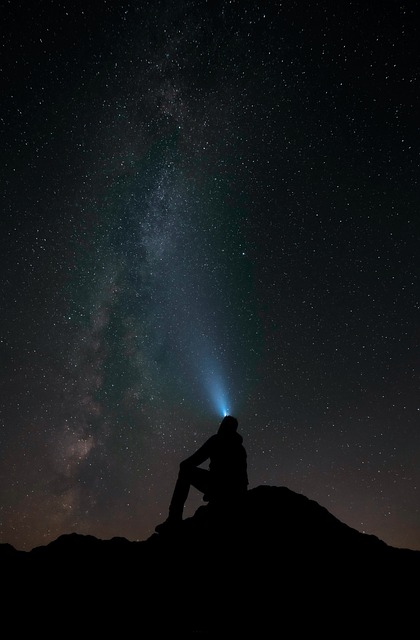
{"x": 228, "y": 462}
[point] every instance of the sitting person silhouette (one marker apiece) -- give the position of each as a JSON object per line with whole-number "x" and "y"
{"x": 225, "y": 478}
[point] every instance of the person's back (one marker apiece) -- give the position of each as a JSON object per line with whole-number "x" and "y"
{"x": 228, "y": 464}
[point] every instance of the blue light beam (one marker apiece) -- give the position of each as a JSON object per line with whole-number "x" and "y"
{"x": 217, "y": 393}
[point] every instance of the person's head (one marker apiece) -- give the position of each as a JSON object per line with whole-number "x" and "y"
{"x": 229, "y": 424}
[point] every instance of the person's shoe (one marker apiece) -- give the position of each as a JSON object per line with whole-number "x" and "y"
{"x": 170, "y": 524}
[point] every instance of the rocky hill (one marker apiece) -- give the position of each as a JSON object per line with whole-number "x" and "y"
{"x": 274, "y": 565}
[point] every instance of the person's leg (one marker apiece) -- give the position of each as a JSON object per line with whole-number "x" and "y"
{"x": 187, "y": 477}
{"x": 200, "y": 479}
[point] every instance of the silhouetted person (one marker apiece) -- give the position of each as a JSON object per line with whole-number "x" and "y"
{"x": 226, "y": 477}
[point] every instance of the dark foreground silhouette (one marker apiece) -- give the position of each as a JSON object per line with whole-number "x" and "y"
{"x": 271, "y": 565}
{"x": 225, "y": 480}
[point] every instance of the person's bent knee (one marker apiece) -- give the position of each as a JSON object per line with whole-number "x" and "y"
{"x": 184, "y": 470}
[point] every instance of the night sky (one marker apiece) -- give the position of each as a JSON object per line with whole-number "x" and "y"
{"x": 208, "y": 207}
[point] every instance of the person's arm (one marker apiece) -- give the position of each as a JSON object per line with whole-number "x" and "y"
{"x": 201, "y": 455}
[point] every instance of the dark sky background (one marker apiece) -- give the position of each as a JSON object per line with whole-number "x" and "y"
{"x": 208, "y": 207}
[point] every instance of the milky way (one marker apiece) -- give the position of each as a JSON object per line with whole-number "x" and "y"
{"x": 208, "y": 207}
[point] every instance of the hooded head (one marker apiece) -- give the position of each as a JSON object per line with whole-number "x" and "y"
{"x": 228, "y": 425}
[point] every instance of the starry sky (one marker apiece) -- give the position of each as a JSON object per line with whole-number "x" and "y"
{"x": 208, "y": 207}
